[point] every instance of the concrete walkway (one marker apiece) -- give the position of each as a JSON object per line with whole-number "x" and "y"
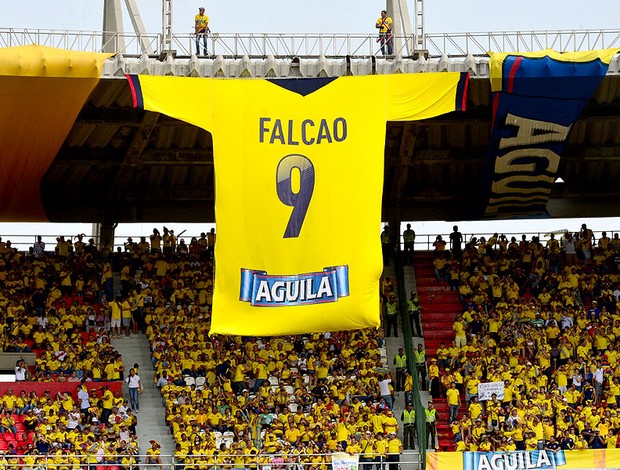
{"x": 151, "y": 417}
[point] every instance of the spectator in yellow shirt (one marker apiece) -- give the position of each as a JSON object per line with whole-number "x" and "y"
{"x": 454, "y": 401}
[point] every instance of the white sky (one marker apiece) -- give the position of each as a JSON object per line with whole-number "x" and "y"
{"x": 346, "y": 16}
{"x": 327, "y": 16}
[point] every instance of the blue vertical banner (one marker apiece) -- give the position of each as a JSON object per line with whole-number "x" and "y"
{"x": 537, "y": 97}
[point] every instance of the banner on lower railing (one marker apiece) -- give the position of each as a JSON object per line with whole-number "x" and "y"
{"x": 537, "y": 97}
{"x": 343, "y": 461}
{"x": 539, "y": 459}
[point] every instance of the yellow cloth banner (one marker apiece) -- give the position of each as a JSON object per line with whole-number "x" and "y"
{"x": 562, "y": 460}
{"x": 42, "y": 90}
{"x": 299, "y": 178}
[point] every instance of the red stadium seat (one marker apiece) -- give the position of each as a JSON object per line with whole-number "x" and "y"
{"x": 446, "y": 445}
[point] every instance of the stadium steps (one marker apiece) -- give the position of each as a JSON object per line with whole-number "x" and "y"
{"x": 440, "y": 305}
{"x": 411, "y": 286}
{"x": 392, "y": 344}
{"x": 151, "y": 421}
{"x": 116, "y": 282}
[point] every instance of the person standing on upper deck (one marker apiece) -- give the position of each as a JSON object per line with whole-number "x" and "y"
{"x": 201, "y": 29}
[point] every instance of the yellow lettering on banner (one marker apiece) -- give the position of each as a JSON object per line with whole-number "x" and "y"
{"x": 513, "y": 198}
{"x": 499, "y": 209}
{"x": 530, "y": 132}
{"x": 506, "y": 163}
{"x": 508, "y": 184}
{"x": 533, "y": 132}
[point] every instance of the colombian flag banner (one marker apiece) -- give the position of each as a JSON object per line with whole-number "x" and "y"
{"x": 42, "y": 90}
{"x": 536, "y": 99}
{"x": 299, "y": 179}
{"x": 538, "y": 459}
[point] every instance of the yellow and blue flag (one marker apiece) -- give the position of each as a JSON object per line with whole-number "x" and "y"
{"x": 537, "y": 97}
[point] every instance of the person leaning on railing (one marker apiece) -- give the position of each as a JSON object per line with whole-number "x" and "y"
{"x": 386, "y": 35}
{"x": 201, "y": 30}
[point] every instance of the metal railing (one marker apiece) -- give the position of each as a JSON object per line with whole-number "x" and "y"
{"x": 423, "y": 241}
{"x": 462, "y": 44}
{"x": 270, "y": 461}
{"x": 316, "y": 44}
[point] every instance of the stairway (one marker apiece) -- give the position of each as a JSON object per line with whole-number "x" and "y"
{"x": 440, "y": 305}
{"x": 151, "y": 421}
{"x": 411, "y": 286}
{"x": 392, "y": 344}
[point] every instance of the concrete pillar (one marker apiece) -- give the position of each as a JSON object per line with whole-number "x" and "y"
{"x": 103, "y": 231}
{"x": 398, "y": 10}
{"x": 112, "y": 40}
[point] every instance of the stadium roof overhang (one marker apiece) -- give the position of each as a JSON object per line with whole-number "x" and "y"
{"x": 121, "y": 164}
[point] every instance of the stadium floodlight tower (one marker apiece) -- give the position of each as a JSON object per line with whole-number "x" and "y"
{"x": 113, "y": 32}
{"x": 414, "y": 38}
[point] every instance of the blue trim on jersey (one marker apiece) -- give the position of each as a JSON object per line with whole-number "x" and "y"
{"x": 302, "y": 86}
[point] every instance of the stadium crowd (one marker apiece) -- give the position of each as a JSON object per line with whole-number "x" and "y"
{"x": 295, "y": 395}
{"x": 227, "y": 399}
{"x": 53, "y": 304}
{"x": 545, "y": 321}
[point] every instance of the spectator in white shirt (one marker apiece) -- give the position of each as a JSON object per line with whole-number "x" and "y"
{"x": 20, "y": 371}
{"x": 73, "y": 418}
{"x": 39, "y": 246}
{"x": 135, "y": 388}
{"x": 83, "y": 398}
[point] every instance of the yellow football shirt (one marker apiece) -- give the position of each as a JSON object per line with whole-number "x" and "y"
{"x": 299, "y": 179}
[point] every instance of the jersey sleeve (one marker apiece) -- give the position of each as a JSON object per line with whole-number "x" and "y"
{"x": 183, "y": 98}
{"x": 412, "y": 97}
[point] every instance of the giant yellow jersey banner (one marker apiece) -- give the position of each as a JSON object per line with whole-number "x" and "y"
{"x": 299, "y": 178}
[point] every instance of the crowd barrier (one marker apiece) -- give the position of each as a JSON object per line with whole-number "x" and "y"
{"x": 423, "y": 241}
{"x": 335, "y": 461}
{"x": 542, "y": 459}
